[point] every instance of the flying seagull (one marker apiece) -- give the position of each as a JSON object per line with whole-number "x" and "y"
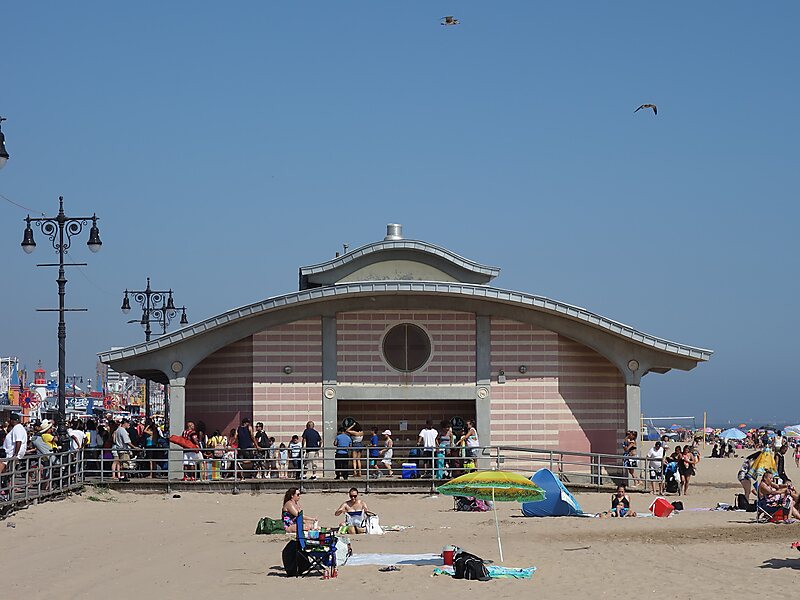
{"x": 653, "y": 106}
{"x": 449, "y": 20}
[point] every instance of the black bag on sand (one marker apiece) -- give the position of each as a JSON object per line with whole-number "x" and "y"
{"x": 677, "y": 505}
{"x": 672, "y": 486}
{"x": 743, "y": 504}
{"x": 294, "y": 563}
{"x": 469, "y": 566}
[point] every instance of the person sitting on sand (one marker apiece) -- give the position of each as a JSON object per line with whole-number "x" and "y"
{"x": 621, "y": 504}
{"x": 291, "y": 508}
{"x": 354, "y": 510}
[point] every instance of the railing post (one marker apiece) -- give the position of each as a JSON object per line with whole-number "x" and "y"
{"x": 302, "y": 473}
{"x": 366, "y": 483}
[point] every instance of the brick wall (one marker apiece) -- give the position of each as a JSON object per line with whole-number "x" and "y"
{"x": 285, "y": 402}
{"x": 360, "y": 334}
{"x": 219, "y": 391}
{"x": 570, "y": 397}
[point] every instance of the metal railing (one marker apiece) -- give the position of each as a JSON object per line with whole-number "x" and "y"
{"x": 37, "y": 477}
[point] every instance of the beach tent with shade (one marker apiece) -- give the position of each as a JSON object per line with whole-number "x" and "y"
{"x": 651, "y": 435}
{"x": 733, "y": 434}
{"x": 495, "y": 486}
{"x": 558, "y": 502}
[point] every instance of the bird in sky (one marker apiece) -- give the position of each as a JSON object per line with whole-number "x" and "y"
{"x": 653, "y": 106}
{"x": 450, "y": 20}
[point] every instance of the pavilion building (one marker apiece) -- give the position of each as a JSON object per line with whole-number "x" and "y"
{"x": 399, "y": 331}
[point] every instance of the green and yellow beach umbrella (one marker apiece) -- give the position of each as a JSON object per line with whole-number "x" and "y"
{"x": 495, "y": 486}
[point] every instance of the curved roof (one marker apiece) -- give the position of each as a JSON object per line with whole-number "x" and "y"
{"x": 416, "y": 288}
{"x": 462, "y": 268}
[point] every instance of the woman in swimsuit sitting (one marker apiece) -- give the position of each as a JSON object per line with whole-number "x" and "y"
{"x": 291, "y": 508}
{"x": 621, "y": 504}
{"x": 354, "y": 510}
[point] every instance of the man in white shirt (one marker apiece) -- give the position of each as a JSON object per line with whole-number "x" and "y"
{"x": 15, "y": 445}
{"x": 76, "y": 437}
{"x": 655, "y": 458}
{"x": 427, "y": 439}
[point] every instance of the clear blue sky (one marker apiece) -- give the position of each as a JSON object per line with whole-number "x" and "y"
{"x": 223, "y": 146}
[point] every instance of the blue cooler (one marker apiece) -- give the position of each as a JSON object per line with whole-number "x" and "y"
{"x": 409, "y": 470}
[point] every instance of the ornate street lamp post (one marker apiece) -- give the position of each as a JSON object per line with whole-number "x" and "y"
{"x": 60, "y": 230}
{"x": 3, "y": 152}
{"x": 157, "y": 307}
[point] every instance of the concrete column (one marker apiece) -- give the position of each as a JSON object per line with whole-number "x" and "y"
{"x": 483, "y": 372}
{"x": 177, "y": 418}
{"x": 330, "y": 419}
{"x": 330, "y": 406}
{"x": 633, "y": 408}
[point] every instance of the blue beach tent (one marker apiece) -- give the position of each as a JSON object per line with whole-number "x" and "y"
{"x": 558, "y": 502}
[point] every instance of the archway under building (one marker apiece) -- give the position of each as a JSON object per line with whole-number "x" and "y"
{"x": 405, "y": 418}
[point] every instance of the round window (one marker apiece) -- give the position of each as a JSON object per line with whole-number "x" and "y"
{"x": 406, "y": 347}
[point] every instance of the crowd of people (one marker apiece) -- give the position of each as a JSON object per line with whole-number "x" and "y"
{"x": 249, "y": 452}
{"x": 668, "y": 470}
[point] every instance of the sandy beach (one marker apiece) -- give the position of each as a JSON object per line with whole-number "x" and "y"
{"x": 122, "y": 545}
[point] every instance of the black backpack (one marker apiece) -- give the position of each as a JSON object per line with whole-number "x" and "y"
{"x": 469, "y": 566}
{"x": 295, "y": 563}
{"x": 672, "y": 486}
{"x": 743, "y": 504}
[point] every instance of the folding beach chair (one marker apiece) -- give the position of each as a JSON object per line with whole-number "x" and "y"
{"x": 770, "y": 514}
{"x": 320, "y": 555}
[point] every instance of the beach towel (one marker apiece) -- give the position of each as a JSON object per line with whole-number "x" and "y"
{"x": 495, "y": 572}
{"x": 394, "y": 559}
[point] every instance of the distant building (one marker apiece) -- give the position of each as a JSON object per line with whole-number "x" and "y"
{"x": 399, "y": 331}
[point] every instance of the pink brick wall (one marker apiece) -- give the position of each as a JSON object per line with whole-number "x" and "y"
{"x": 360, "y": 334}
{"x": 570, "y": 397}
{"x": 286, "y": 402}
{"x": 219, "y": 391}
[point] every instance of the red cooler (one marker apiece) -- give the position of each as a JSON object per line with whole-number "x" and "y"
{"x": 661, "y": 507}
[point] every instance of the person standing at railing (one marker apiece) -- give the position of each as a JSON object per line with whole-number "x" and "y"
{"x": 428, "y": 439}
{"x": 262, "y": 441}
{"x": 356, "y": 433}
{"x": 472, "y": 445}
{"x": 44, "y": 450}
{"x": 15, "y": 445}
{"x": 312, "y": 442}
{"x": 247, "y": 447}
{"x": 629, "y": 450}
{"x": 374, "y": 453}
{"x": 121, "y": 450}
{"x": 341, "y": 458}
{"x": 295, "y": 452}
{"x": 190, "y": 457}
{"x": 446, "y": 439}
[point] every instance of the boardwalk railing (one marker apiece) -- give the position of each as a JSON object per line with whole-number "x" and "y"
{"x": 37, "y": 477}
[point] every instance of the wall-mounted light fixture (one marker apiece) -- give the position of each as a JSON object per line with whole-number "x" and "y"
{"x": 523, "y": 369}
{"x": 288, "y": 370}
{"x": 501, "y": 376}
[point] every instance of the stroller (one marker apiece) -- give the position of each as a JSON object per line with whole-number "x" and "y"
{"x": 673, "y": 484}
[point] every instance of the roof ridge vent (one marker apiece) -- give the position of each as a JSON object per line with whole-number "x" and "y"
{"x": 394, "y": 231}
